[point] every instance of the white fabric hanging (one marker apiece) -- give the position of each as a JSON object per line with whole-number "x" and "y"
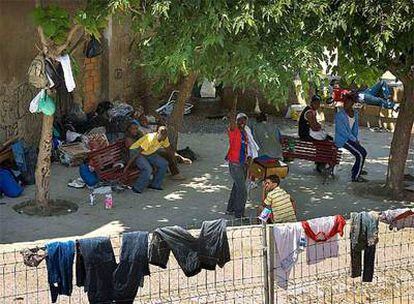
{"x": 253, "y": 147}
{"x": 290, "y": 241}
{"x": 67, "y": 72}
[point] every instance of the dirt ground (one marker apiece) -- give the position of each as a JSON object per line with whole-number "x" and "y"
{"x": 201, "y": 197}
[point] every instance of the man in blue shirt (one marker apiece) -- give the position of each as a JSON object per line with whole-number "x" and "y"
{"x": 346, "y": 136}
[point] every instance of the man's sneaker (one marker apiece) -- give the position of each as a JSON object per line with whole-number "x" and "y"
{"x": 360, "y": 179}
{"x": 77, "y": 183}
{"x": 363, "y": 172}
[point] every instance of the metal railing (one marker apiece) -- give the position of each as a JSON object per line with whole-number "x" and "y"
{"x": 249, "y": 277}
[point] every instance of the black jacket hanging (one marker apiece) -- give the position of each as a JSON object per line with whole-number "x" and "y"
{"x": 192, "y": 254}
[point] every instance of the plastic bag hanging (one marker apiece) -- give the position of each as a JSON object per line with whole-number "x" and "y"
{"x": 93, "y": 48}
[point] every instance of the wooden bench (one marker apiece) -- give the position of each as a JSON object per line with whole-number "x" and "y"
{"x": 316, "y": 151}
{"x": 104, "y": 159}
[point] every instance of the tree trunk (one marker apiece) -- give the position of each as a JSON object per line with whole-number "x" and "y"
{"x": 43, "y": 163}
{"x": 176, "y": 119}
{"x": 401, "y": 141}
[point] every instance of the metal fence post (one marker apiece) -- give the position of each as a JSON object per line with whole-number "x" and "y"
{"x": 271, "y": 268}
{"x": 265, "y": 264}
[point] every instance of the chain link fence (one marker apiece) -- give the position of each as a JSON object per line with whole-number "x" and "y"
{"x": 249, "y": 277}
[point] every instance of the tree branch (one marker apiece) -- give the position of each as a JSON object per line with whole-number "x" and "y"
{"x": 72, "y": 32}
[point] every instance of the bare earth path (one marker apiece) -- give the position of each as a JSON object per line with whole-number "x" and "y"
{"x": 202, "y": 196}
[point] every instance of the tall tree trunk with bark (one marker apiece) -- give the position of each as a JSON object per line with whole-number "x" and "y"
{"x": 43, "y": 163}
{"x": 176, "y": 119}
{"x": 401, "y": 140}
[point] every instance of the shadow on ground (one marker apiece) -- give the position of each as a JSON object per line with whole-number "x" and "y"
{"x": 202, "y": 196}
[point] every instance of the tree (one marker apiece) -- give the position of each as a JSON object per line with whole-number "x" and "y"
{"x": 58, "y": 30}
{"x": 372, "y": 37}
{"x": 241, "y": 43}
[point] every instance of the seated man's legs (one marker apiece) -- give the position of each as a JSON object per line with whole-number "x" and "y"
{"x": 161, "y": 166}
{"x": 144, "y": 176}
{"x": 376, "y": 89}
{"x": 377, "y": 101}
{"x": 172, "y": 161}
{"x": 379, "y": 95}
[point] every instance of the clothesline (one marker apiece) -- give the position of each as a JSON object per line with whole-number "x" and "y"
{"x": 409, "y": 212}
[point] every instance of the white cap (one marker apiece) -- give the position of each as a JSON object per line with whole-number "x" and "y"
{"x": 241, "y": 115}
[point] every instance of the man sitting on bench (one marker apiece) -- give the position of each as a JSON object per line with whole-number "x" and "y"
{"x": 309, "y": 127}
{"x": 144, "y": 153}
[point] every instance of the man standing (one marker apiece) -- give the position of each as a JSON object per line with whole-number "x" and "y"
{"x": 144, "y": 153}
{"x": 346, "y": 136}
{"x": 237, "y": 157}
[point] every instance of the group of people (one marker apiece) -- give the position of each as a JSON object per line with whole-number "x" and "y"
{"x": 346, "y": 131}
{"x": 245, "y": 144}
{"x": 148, "y": 150}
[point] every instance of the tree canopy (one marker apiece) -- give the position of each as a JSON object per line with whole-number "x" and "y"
{"x": 241, "y": 43}
{"x": 372, "y": 37}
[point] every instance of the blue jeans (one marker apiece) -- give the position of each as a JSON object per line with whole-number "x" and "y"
{"x": 59, "y": 263}
{"x": 379, "y": 95}
{"x": 144, "y": 164}
{"x": 238, "y": 195}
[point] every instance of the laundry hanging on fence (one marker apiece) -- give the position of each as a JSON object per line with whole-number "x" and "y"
{"x": 32, "y": 257}
{"x": 133, "y": 266}
{"x": 96, "y": 267}
{"x": 192, "y": 254}
{"x": 322, "y": 233}
{"x": 59, "y": 262}
{"x": 290, "y": 241}
{"x": 364, "y": 237}
{"x": 398, "y": 218}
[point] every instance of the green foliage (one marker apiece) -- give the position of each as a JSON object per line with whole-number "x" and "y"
{"x": 372, "y": 36}
{"x": 243, "y": 43}
{"x": 93, "y": 17}
{"x": 55, "y": 22}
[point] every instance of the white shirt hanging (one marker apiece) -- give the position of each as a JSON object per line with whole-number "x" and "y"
{"x": 67, "y": 72}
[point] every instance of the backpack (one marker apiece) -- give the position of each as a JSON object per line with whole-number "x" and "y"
{"x": 187, "y": 153}
{"x": 37, "y": 73}
{"x": 93, "y": 48}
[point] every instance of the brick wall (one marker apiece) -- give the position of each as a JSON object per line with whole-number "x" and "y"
{"x": 91, "y": 84}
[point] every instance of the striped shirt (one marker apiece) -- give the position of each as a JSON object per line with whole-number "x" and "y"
{"x": 282, "y": 207}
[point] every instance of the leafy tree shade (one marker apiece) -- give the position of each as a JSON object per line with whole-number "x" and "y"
{"x": 372, "y": 37}
{"x": 242, "y": 43}
{"x": 57, "y": 31}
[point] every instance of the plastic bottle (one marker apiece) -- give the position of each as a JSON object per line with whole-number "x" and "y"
{"x": 264, "y": 216}
{"x": 108, "y": 201}
{"x": 91, "y": 199}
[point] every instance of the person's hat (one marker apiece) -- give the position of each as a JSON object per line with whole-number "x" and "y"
{"x": 241, "y": 115}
